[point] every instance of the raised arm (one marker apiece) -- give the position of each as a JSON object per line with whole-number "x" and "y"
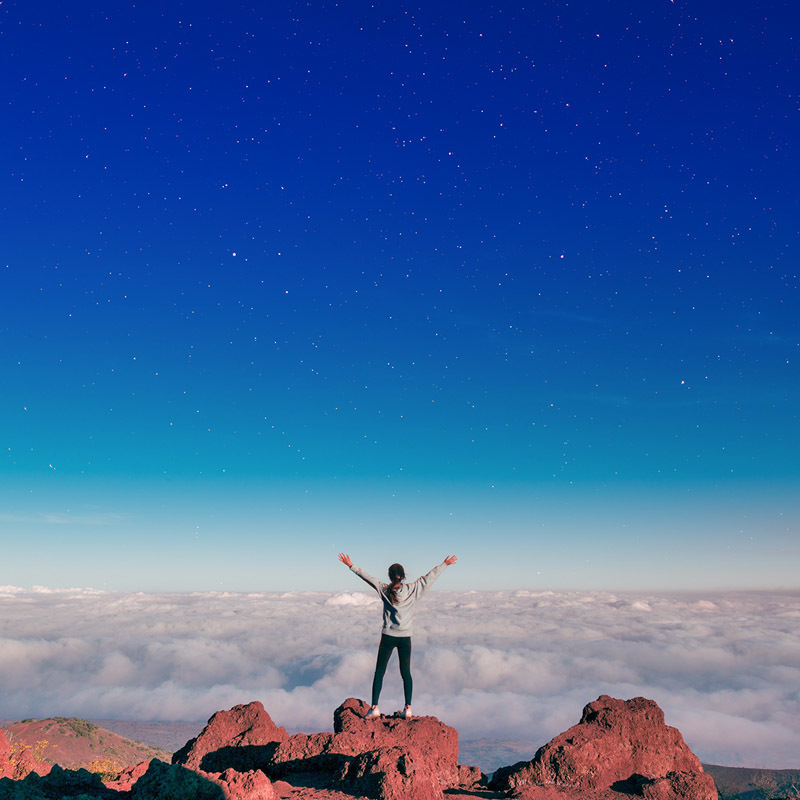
{"x": 365, "y": 576}
{"x": 421, "y": 585}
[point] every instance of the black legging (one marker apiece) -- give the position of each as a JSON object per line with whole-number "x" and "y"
{"x": 403, "y": 645}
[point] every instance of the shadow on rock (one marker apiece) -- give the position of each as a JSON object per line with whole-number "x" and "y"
{"x": 241, "y": 758}
{"x": 241, "y": 728}
{"x": 632, "y": 785}
{"x": 57, "y": 784}
{"x": 169, "y": 782}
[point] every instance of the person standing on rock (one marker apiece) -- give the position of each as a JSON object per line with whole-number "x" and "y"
{"x": 399, "y": 600}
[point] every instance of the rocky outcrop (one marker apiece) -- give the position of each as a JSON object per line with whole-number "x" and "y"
{"x": 241, "y": 728}
{"x": 57, "y": 784}
{"x": 156, "y": 780}
{"x": 128, "y": 776}
{"x": 174, "y": 782}
{"x": 153, "y": 780}
{"x": 251, "y": 785}
{"x": 393, "y": 758}
{"x": 435, "y": 742}
{"x": 620, "y": 748}
{"x": 391, "y": 773}
{"x": 388, "y": 758}
{"x": 470, "y": 777}
{"x": 622, "y": 745}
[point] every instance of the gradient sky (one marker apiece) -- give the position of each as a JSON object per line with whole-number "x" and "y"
{"x": 515, "y": 281}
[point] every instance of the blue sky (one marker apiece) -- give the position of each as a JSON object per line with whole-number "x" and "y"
{"x": 516, "y": 283}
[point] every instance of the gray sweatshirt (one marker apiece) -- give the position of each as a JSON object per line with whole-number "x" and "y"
{"x": 397, "y": 618}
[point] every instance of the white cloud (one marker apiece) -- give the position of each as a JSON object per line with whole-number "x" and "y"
{"x": 511, "y": 665}
{"x": 353, "y": 599}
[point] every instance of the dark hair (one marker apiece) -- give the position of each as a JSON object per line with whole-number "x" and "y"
{"x": 396, "y": 576}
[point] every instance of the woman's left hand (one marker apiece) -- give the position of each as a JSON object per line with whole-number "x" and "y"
{"x": 450, "y": 560}
{"x": 345, "y": 559}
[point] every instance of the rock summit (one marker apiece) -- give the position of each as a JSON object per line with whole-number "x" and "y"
{"x": 619, "y": 745}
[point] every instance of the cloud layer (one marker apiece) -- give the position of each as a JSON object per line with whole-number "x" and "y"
{"x": 505, "y": 665}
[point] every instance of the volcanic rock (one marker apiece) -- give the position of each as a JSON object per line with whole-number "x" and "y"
{"x": 388, "y": 758}
{"x": 174, "y": 782}
{"x": 470, "y": 777}
{"x": 434, "y": 741}
{"x": 57, "y": 784}
{"x": 681, "y": 786}
{"x": 246, "y": 726}
{"x": 128, "y": 776}
{"x": 623, "y": 745}
{"x": 304, "y": 753}
{"x": 392, "y": 773}
{"x": 155, "y": 780}
{"x": 251, "y": 785}
{"x": 619, "y": 748}
{"x": 560, "y": 793}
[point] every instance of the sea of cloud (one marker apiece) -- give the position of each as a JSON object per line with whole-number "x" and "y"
{"x": 496, "y": 665}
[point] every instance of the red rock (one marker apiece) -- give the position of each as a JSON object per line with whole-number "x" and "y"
{"x": 301, "y": 747}
{"x": 387, "y": 757}
{"x": 619, "y": 748}
{"x": 470, "y": 777}
{"x": 174, "y": 782}
{"x": 247, "y": 726}
{"x": 251, "y": 785}
{"x": 681, "y": 786}
{"x": 235, "y": 785}
{"x": 392, "y": 773}
{"x": 317, "y": 752}
{"x": 128, "y": 776}
{"x": 433, "y": 741}
{"x": 556, "y": 793}
{"x": 618, "y": 744}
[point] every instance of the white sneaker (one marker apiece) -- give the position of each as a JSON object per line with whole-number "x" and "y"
{"x": 373, "y": 713}
{"x": 406, "y": 713}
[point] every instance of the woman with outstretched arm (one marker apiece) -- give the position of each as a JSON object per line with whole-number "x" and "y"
{"x": 399, "y": 600}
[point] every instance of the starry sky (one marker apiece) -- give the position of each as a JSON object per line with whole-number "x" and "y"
{"x": 517, "y": 281}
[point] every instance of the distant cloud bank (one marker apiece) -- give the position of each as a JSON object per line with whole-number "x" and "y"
{"x": 514, "y": 665}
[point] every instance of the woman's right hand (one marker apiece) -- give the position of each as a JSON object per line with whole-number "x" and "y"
{"x": 345, "y": 559}
{"x": 450, "y": 560}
